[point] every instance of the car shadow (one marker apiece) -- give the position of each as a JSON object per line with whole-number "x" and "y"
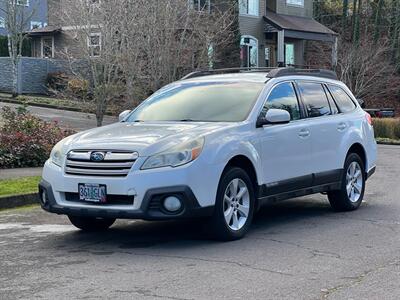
{"x": 125, "y": 235}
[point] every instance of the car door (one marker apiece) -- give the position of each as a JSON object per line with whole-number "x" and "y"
{"x": 322, "y": 119}
{"x": 285, "y": 147}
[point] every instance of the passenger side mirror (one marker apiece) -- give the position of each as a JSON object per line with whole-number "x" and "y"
{"x": 273, "y": 117}
{"x": 123, "y": 115}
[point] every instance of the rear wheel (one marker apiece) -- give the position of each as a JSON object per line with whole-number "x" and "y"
{"x": 351, "y": 193}
{"x": 234, "y": 205}
{"x": 91, "y": 223}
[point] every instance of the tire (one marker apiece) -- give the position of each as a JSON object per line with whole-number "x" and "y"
{"x": 91, "y": 224}
{"x": 351, "y": 193}
{"x": 235, "y": 205}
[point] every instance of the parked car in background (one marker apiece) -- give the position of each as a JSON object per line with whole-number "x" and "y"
{"x": 217, "y": 146}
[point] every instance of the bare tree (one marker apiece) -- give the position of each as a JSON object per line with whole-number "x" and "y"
{"x": 144, "y": 44}
{"x": 17, "y": 20}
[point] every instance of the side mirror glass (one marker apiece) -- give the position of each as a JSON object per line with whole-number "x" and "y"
{"x": 273, "y": 117}
{"x": 123, "y": 115}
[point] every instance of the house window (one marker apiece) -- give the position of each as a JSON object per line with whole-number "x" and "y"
{"x": 47, "y": 47}
{"x": 249, "y": 51}
{"x": 289, "y": 55}
{"x": 295, "y": 2}
{"x": 2, "y": 23}
{"x": 35, "y": 24}
{"x": 200, "y": 5}
{"x": 94, "y": 44}
{"x": 23, "y": 2}
{"x": 249, "y": 7}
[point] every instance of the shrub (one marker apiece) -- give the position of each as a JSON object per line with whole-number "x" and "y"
{"x": 387, "y": 128}
{"x": 25, "y": 140}
{"x": 57, "y": 81}
{"x": 78, "y": 88}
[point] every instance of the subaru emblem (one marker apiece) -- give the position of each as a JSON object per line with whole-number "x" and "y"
{"x": 97, "y": 156}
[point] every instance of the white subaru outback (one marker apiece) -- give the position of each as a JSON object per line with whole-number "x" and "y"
{"x": 217, "y": 145}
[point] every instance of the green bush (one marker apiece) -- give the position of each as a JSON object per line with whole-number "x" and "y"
{"x": 387, "y": 128}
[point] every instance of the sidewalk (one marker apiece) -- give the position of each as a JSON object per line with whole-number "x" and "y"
{"x": 21, "y": 172}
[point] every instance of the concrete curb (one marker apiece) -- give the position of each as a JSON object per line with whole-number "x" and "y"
{"x": 388, "y": 143}
{"x": 18, "y": 201}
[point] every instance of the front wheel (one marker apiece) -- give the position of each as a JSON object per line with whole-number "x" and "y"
{"x": 234, "y": 205}
{"x": 91, "y": 223}
{"x": 351, "y": 194}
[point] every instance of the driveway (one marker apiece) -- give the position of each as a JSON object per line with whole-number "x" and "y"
{"x": 299, "y": 249}
{"x": 75, "y": 120}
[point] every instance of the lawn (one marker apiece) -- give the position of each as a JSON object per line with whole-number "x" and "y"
{"x": 20, "y": 186}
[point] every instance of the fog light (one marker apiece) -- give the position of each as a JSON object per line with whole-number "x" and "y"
{"x": 172, "y": 204}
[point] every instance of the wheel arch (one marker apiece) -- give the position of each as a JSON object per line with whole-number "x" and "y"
{"x": 358, "y": 149}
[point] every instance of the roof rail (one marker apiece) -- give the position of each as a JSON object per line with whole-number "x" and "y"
{"x": 272, "y": 72}
{"x": 226, "y": 71}
{"x": 280, "y": 72}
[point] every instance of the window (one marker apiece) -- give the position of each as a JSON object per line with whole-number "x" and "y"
{"x": 332, "y": 103}
{"x": 200, "y": 101}
{"x": 249, "y": 51}
{"x": 200, "y": 5}
{"x": 47, "y": 47}
{"x": 2, "y": 23}
{"x": 94, "y": 44}
{"x": 295, "y": 2}
{"x": 289, "y": 54}
{"x": 343, "y": 100}
{"x": 249, "y": 7}
{"x": 23, "y": 2}
{"x": 283, "y": 97}
{"x": 35, "y": 24}
{"x": 315, "y": 99}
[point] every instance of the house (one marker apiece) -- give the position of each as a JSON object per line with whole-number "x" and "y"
{"x": 276, "y": 32}
{"x": 273, "y": 32}
{"x": 35, "y": 12}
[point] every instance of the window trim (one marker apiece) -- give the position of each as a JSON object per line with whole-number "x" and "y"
{"x": 248, "y": 14}
{"x": 252, "y": 38}
{"x": 18, "y": 2}
{"x": 42, "y": 44}
{"x": 90, "y": 46}
{"x": 294, "y": 4}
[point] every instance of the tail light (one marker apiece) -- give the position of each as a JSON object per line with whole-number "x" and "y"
{"x": 369, "y": 118}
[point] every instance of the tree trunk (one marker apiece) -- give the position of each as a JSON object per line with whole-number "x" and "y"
{"x": 378, "y": 20}
{"x": 344, "y": 16}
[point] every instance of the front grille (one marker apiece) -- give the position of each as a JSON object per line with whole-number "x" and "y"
{"x": 111, "y": 199}
{"x": 114, "y": 163}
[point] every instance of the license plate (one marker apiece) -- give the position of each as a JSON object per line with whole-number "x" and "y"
{"x": 93, "y": 193}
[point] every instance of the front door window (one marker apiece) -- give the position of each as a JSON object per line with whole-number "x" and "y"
{"x": 47, "y": 47}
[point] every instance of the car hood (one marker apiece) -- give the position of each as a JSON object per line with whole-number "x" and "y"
{"x": 146, "y": 138}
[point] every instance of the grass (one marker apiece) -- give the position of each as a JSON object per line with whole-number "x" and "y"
{"x": 388, "y": 129}
{"x": 19, "y": 186}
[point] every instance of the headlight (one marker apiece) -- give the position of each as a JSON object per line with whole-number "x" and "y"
{"x": 56, "y": 155}
{"x": 177, "y": 156}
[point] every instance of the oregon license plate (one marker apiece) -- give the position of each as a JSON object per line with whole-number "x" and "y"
{"x": 93, "y": 193}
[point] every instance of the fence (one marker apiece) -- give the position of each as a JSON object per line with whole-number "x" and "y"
{"x": 31, "y": 75}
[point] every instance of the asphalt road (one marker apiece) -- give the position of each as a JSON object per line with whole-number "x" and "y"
{"x": 70, "y": 119}
{"x": 299, "y": 249}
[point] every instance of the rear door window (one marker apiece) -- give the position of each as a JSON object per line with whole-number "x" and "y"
{"x": 314, "y": 98}
{"x": 332, "y": 103}
{"x": 342, "y": 99}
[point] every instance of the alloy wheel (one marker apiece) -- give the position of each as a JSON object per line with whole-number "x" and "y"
{"x": 354, "y": 182}
{"x": 236, "y": 204}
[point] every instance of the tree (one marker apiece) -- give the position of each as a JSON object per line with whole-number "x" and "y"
{"x": 378, "y": 19}
{"x": 344, "y": 15}
{"x": 17, "y": 21}
{"x": 144, "y": 44}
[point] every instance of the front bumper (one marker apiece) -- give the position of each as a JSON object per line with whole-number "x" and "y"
{"x": 150, "y": 209}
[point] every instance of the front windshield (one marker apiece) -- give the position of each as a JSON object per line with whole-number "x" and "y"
{"x": 200, "y": 101}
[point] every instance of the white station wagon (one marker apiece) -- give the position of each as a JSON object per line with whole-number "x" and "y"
{"x": 218, "y": 145}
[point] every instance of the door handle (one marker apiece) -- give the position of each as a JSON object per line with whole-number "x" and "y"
{"x": 342, "y": 126}
{"x": 304, "y": 133}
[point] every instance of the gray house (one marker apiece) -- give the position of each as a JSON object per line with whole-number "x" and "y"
{"x": 276, "y": 32}
{"x": 34, "y": 10}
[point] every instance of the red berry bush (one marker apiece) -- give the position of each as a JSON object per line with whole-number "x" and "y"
{"x": 25, "y": 140}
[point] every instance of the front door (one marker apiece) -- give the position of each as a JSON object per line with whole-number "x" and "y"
{"x": 285, "y": 148}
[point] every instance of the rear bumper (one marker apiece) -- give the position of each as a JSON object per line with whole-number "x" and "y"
{"x": 150, "y": 208}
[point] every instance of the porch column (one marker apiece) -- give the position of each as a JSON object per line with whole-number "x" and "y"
{"x": 281, "y": 48}
{"x": 334, "y": 53}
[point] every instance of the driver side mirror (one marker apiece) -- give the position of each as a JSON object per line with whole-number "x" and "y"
{"x": 274, "y": 117}
{"x": 123, "y": 115}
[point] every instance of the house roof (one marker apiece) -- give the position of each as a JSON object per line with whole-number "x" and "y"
{"x": 48, "y": 30}
{"x": 295, "y": 23}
